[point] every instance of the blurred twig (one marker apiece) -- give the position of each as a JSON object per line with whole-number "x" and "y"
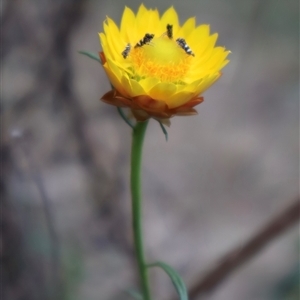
{"x": 237, "y": 257}
{"x": 20, "y": 272}
{"x": 35, "y": 173}
{"x": 52, "y": 74}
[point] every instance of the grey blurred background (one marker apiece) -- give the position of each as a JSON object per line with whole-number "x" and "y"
{"x": 66, "y": 231}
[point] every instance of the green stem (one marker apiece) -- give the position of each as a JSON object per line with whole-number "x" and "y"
{"x": 136, "y": 159}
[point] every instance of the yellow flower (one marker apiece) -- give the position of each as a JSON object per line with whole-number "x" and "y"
{"x": 157, "y": 67}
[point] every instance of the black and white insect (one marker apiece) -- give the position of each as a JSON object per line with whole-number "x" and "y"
{"x": 182, "y": 43}
{"x": 170, "y": 31}
{"x": 145, "y": 40}
{"x": 126, "y": 51}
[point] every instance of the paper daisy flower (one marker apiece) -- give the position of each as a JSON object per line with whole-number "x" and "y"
{"x": 157, "y": 67}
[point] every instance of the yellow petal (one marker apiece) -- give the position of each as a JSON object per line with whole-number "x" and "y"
{"x": 127, "y": 30}
{"x": 198, "y": 36}
{"x": 126, "y": 84}
{"x": 192, "y": 86}
{"x": 136, "y": 88}
{"x": 147, "y": 22}
{"x": 115, "y": 81}
{"x": 149, "y": 83}
{"x": 206, "y": 83}
{"x": 204, "y": 50}
{"x": 116, "y": 45}
{"x": 114, "y": 68}
{"x": 224, "y": 64}
{"x": 151, "y": 22}
{"x": 141, "y": 11}
{"x": 119, "y": 74}
{"x": 170, "y": 17}
{"x": 140, "y": 21}
{"x": 179, "y": 99}
{"x": 218, "y": 55}
{"x": 162, "y": 91}
{"x": 187, "y": 28}
{"x": 210, "y": 61}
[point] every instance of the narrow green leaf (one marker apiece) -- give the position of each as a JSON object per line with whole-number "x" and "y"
{"x": 164, "y": 130}
{"x": 121, "y": 113}
{"x": 90, "y": 55}
{"x": 175, "y": 278}
{"x": 134, "y": 294}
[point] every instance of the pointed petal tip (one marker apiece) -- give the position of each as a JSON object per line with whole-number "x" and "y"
{"x": 109, "y": 95}
{"x": 190, "y": 112}
{"x": 102, "y": 57}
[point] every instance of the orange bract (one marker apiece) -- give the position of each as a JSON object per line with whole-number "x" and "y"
{"x": 155, "y": 71}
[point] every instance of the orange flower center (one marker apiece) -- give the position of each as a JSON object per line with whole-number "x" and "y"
{"x": 162, "y": 58}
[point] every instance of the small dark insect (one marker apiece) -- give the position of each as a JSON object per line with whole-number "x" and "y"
{"x": 182, "y": 43}
{"x": 145, "y": 40}
{"x": 126, "y": 51}
{"x": 170, "y": 31}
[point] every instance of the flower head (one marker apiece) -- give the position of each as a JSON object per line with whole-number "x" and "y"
{"x": 157, "y": 67}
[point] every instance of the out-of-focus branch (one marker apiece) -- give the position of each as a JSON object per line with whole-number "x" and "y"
{"x": 237, "y": 257}
{"x": 20, "y": 140}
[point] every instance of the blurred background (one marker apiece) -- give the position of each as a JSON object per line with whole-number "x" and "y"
{"x": 66, "y": 228}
